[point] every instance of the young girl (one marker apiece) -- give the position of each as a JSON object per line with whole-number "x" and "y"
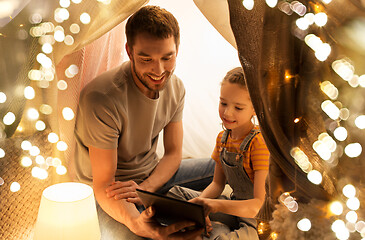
{"x": 242, "y": 161}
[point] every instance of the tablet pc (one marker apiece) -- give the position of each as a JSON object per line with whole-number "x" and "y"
{"x": 169, "y": 210}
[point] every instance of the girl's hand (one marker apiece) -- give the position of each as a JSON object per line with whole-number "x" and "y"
{"x": 207, "y": 209}
{"x": 124, "y": 190}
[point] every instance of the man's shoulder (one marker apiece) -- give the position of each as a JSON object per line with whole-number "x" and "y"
{"x": 108, "y": 80}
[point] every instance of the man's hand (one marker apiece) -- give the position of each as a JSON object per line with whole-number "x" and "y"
{"x": 124, "y": 190}
{"x": 148, "y": 227}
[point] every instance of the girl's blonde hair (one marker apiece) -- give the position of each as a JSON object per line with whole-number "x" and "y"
{"x": 236, "y": 75}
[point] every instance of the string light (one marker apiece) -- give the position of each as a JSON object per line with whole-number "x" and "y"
{"x": 14, "y": 187}
{"x": 248, "y": 4}
{"x": 304, "y": 225}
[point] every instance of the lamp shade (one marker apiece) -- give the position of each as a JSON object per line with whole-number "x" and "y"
{"x": 67, "y": 212}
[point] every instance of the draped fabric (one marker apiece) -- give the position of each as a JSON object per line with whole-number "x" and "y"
{"x": 283, "y": 79}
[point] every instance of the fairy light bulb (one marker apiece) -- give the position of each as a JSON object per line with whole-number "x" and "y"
{"x": 2, "y": 97}
{"x": 320, "y": 19}
{"x": 14, "y": 187}
{"x": 351, "y": 216}
{"x": 25, "y": 145}
{"x": 65, "y": 3}
{"x": 353, "y": 203}
{"x": 34, "y": 151}
{"x": 336, "y": 208}
{"x": 40, "y": 125}
{"x": 29, "y": 92}
{"x": 61, "y": 170}
{"x": 353, "y": 150}
{"x": 9, "y": 118}
{"x": 360, "y": 122}
{"x": 272, "y": 3}
{"x": 68, "y": 114}
{"x": 349, "y": 191}
{"x": 85, "y": 18}
{"x": 47, "y": 48}
{"x": 2, "y": 153}
{"x": 248, "y": 4}
{"x": 315, "y": 177}
{"x": 53, "y": 137}
{"x": 26, "y": 162}
{"x": 62, "y": 146}
{"x": 340, "y": 133}
{"x": 32, "y": 114}
{"x": 304, "y": 225}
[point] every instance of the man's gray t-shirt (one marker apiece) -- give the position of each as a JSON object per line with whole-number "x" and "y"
{"x": 114, "y": 113}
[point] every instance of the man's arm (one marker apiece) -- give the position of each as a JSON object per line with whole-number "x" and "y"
{"x": 104, "y": 162}
{"x": 104, "y": 165}
{"x": 169, "y": 163}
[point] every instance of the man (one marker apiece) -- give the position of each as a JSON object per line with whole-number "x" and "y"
{"x": 120, "y": 116}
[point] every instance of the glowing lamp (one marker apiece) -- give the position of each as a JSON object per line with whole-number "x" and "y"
{"x": 67, "y": 212}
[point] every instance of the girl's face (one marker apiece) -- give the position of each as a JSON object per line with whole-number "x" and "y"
{"x": 235, "y": 108}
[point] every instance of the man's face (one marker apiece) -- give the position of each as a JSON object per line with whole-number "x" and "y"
{"x": 153, "y": 61}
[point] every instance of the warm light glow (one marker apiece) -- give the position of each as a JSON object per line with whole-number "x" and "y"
{"x": 34, "y": 151}
{"x": 75, "y": 28}
{"x": 302, "y": 23}
{"x": 351, "y": 216}
{"x": 45, "y": 109}
{"x": 329, "y": 89}
{"x": 14, "y": 187}
{"x": 32, "y": 114}
{"x": 320, "y": 19}
{"x": 248, "y": 4}
{"x": 68, "y": 114}
{"x": 29, "y": 92}
{"x": 2, "y": 97}
{"x": 39, "y": 173}
{"x": 76, "y": 1}
{"x": 40, "y": 160}
{"x": 40, "y": 125}
{"x": 61, "y": 170}
{"x": 336, "y": 208}
{"x": 69, "y": 40}
{"x": 304, "y": 225}
{"x": 349, "y": 191}
{"x": 68, "y": 208}
{"x": 353, "y": 150}
{"x": 272, "y": 3}
{"x": 56, "y": 162}
{"x": 362, "y": 80}
{"x": 344, "y": 69}
{"x": 360, "y": 122}
{"x": 26, "y": 162}
{"x": 2, "y": 153}
{"x": 53, "y": 137}
{"x": 59, "y": 36}
{"x": 315, "y": 177}
{"x": 62, "y": 85}
{"x": 301, "y": 159}
{"x": 296, "y": 120}
{"x": 62, "y": 146}
{"x": 85, "y": 18}
{"x": 35, "y": 75}
{"x": 310, "y": 18}
{"x": 326, "y": 1}
{"x": 340, "y": 133}
{"x": 71, "y": 71}
{"x": 65, "y": 3}
{"x": 353, "y": 203}
{"x": 26, "y": 145}
{"x": 330, "y": 109}
{"x": 45, "y": 61}
{"x": 47, "y": 48}
{"x": 9, "y": 118}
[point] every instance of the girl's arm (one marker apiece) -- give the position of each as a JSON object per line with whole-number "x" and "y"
{"x": 215, "y": 188}
{"x": 241, "y": 208}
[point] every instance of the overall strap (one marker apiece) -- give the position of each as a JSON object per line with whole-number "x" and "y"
{"x": 225, "y": 136}
{"x": 246, "y": 142}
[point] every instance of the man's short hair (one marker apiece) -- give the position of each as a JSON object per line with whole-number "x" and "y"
{"x": 155, "y": 21}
